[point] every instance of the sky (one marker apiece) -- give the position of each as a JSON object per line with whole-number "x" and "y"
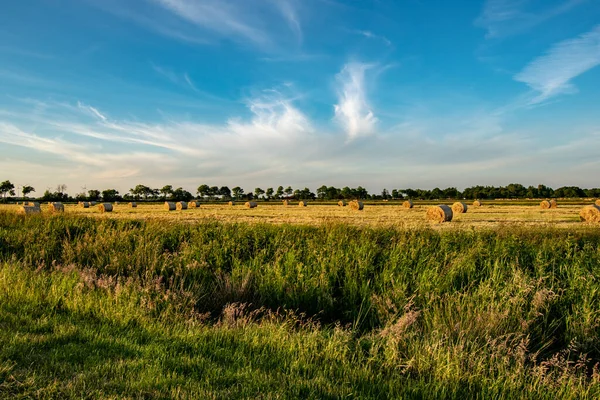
{"x": 101, "y": 94}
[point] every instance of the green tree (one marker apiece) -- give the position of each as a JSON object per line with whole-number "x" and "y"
{"x": 166, "y": 190}
{"x": 6, "y": 187}
{"x": 258, "y": 192}
{"x": 110, "y": 195}
{"x": 27, "y": 189}
{"x": 93, "y": 194}
{"x": 288, "y": 191}
{"x": 203, "y": 190}
{"x": 225, "y": 192}
{"x": 279, "y": 193}
{"x": 237, "y": 192}
{"x": 270, "y": 192}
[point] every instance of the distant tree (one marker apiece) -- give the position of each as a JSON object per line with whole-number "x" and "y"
{"x": 237, "y": 192}
{"x": 322, "y": 192}
{"x": 203, "y": 190}
{"x": 395, "y": 194}
{"x": 269, "y": 193}
{"x": 6, "y": 187}
{"x": 27, "y": 189}
{"x": 93, "y": 194}
{"x": 166, "y": 190}
{"x": 61, "y": 188}
{"x": 110, "y": 195}
{"x": 288, "y": 191}
{"x": 180, "y": 194}
{"x": 258, "y": 192}
{"x": 225, "y": 192}
{"x": 385, "y": 194}
{"x": 279, "y": 192}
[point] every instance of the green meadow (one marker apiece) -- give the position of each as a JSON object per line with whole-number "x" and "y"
{"x": 124, "y": 308}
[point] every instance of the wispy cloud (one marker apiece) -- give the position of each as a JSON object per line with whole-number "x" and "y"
{"x": 501, "y": 18}
{"x": 371, "y": 35}
{"x": 353, "y": 111}
{"x": 550, "y": 74}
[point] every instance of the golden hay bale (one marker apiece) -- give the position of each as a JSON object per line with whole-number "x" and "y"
{"x": 598, "y": 202}
{"x": 342, "y": 203}
{"x": 169, "y": 206}
{"x": 553, "y": 204}
{"x": 231, "y": 203}
{"x": 56, "y": 207}
{"x": 590, "y": 214}
{"x": 476, "y": 203}
{"x": 133, "y": 204}
{"x": 459, "y": 208}
{"x": 441, "y": 213}
{"x": 194, "y": 204}
{"x": 407, "y": 204}
{"x": 32, "y": 203}
{"x": 105, "y": 207}
{"x": 356, "y": 205}
{"x": 181, "y": 205}
{"x": 251, "y": 204}
{"x": 302, "y": 203}
{"x": 545, "y": 204}
{"x": 26, "y": 210}
{"x": 83, "y": 204}
{"x": 286, "y": 203}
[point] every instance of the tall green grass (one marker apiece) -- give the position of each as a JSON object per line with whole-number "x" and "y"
{"x": 133, "y": 308}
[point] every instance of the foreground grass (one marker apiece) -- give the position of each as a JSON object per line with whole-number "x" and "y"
{"x": 106, "y": 308}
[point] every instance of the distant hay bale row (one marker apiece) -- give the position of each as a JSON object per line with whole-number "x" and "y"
{"x": 408, "y": 204}
{"x": 194, "y": 204}
{"x": 83, "y": 204}
{"x": 56, "y": 207}
{"x": 182, "y": 205}
{"x": 546, "y": 204}
{"x": 341, "y": 203}
{"x": 476, "y": 203}
{"x": 590, "y": 214}
{"x": 26, "y": 210}
{"x": 105, "y": 207}
{"x": 251, "y": 204}
{"x": 459, "y": 208}
{"x": 356, "y": 205}
{"x": 302, "y": 203}
{"x": 231, "y": 203}
{"x": 133, "y": 204}
{"x": 441, "y": 213}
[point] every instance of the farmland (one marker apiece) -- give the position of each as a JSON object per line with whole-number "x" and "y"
{"x": 290, "y": 302}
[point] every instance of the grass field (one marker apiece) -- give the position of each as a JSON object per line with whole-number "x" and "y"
{"x": 322, "y": 303}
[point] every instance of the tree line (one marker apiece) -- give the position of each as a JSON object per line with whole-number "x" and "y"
{"x": 215, "y": 193}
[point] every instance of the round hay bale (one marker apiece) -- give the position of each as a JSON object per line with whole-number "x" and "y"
{"x": 181, "y": 205}
{"x": 286, "y": 203}
{"x": 441, "y": 213}
{"x": 251, "y": 204}
{"x": 194, "y": 204}
{"x": 169, "y": 206}
{"x": 590, "y": 214}
{"x": 133, "y": 204}
{"x": 56, "y": 207}
{"x": 93, "y": 203}
{"x": 231, "y": 203}
{"x": 83, "y": 204}
{"x": 302, "y": 203}
{"x": 356, "y": 205}
{"x": 598, "y": 202}
{"x": 32, "y": 203}
{"x": 476, "y": 203}
{"x": 553, "y": 204}
{"x": 459, "y": 208}
{"x": 545, "y": 204}
{"x": 341, "y": 203}
{"x": 407, "y": 204}
{"x": 105, "y": 207}
{"x": 27, "y": 210}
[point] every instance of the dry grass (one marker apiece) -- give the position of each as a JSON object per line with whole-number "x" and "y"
{"x": 489, "y": 216}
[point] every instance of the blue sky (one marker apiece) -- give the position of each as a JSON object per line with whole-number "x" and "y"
{"x": 378, "y": 93}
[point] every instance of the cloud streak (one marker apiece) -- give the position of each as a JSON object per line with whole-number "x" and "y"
{"x": 353, "y": 112}
{"x": 551, "y": 74}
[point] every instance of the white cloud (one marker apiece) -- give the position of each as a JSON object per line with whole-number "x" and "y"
{"x": 371, "y": 35}
{"x": 503, "y": 18}
{"x": 353, "y": 111}
{"x": 550, "y": 74}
